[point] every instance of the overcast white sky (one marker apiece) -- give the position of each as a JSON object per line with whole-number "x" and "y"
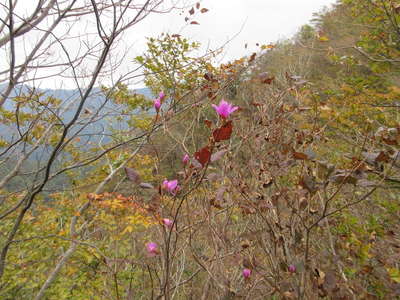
{"x": 246, "y": 21}
{"x": 256, "y": 21}
{"x": 243, "y": 21}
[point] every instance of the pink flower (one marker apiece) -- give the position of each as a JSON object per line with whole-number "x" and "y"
{"x": 161, "y": 96}
{"x": 185, "y": 159}
{"x": 246, "y": 273}
{"x": 157, "y": 104}
{"x": 292, "y": 268}
{"x": 224, "y": 109}
{"x": 171, "y": 186}
{"x": 167, "y": 222}
{"x": 152, "y": 249}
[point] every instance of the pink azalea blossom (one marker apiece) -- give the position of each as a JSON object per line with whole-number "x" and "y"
{"x": 167, "y": 222}
{"x": 171, "y": 186}
{"x": 157, "y": 104}
{"x": 161, "y": 96}
{"x": 246, "y": 273}
{"x": 292, "y": 268}
{"x": 224, "y": 109}
{"x": 185, "y": 159}
{"x": 152, "y": 249}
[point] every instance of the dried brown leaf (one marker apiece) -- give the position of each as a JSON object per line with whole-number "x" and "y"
{"x": 217, "y": 155}
{"x": 132, "y": 175}
{"x": 252, "y": 57}
{"x": 145, "y": 185}
{"x": 300, "y": 155}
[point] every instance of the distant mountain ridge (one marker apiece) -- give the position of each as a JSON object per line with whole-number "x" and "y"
{"x": 94, "y": 101}
{"x": 98, "y": 131}
{"x": 63, "y": 94}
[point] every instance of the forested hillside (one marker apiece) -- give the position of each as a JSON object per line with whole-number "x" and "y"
{"x": 274, "y": 176}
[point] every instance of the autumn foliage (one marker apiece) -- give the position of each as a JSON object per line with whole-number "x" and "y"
{"x": 274, "y": 176}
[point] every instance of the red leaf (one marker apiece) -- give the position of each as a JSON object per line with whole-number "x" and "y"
{"x": 208, "y": 123}
{"x": 203, "y": 155}
{"x": 224, "y": 132}
{"x": 268, "y": 80}
{"x": 208, "y": 76}
{"x": 195, "y": 23}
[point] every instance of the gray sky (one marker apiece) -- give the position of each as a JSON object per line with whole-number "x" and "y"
{"x": 238, "y": 21}
{"x": 255, "y": 21}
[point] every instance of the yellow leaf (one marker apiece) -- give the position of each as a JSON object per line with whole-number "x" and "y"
{"x": 128, "y": 228}
{"x": 394, "y": 274}
{"x": 323, "y": 38}
{"x": 270, "y": 46}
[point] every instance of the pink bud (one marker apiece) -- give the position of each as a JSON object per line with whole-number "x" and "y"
{"x": 152, "y": 249}
{"x": 167, "y": 222}
{"x": 292, "y": 268}
{"x": 171, "y": 186}
{"x": 185, "y": 159}
{"x": 246, "y": 273}
{"x": 161, "y": 96}
{"x": 157, "y": 104}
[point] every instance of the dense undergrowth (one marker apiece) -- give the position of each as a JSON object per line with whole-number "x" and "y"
{"x": 294, "y": 195}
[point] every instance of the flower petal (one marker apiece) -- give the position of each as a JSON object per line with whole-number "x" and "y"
{"x": 172, "y": 185}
